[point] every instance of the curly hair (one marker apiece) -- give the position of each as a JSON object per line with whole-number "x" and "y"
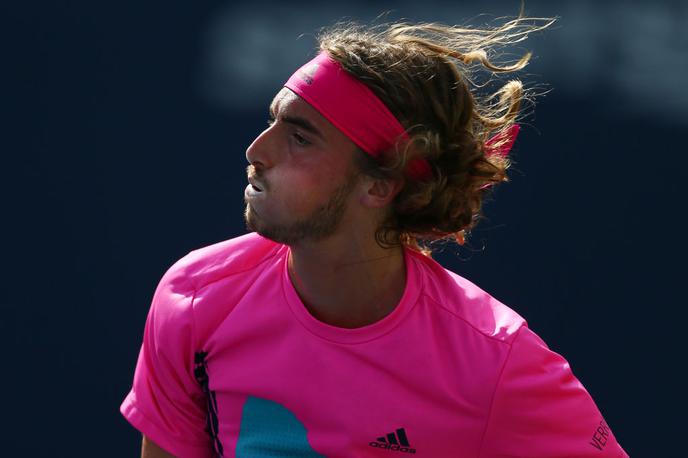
{"x": 422, "y": 73}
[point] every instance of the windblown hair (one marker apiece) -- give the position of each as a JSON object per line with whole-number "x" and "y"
{"x": 422, "y": 73}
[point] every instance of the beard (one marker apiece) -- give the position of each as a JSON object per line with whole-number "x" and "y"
{"x": 320, "y": 224}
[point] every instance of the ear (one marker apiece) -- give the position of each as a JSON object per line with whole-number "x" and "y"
{"x": 380, "y": 192}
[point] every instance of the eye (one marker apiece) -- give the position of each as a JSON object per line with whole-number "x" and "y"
{"x": 301, "y": 141}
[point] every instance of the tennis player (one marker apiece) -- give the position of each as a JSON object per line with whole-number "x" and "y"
{"x": 329, "y": 330}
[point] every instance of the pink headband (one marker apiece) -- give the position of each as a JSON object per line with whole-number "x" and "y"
{"x": 352, "y": 108}
{"x": 356, "y": 111}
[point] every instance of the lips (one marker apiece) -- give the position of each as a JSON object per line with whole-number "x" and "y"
{"x": 255, "y": 184}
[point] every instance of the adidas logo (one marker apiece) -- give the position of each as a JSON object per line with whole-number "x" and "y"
{"x": 307, "y": 73}
{"x": 396, "y": 441}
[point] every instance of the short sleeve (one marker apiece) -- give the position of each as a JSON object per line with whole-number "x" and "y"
{"x": 540, "y": 409}
{"x": 166, "y": 403}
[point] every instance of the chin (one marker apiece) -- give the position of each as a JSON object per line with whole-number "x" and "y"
{"x": 318, "y": 226}
{"x": 251, "y": 219}
{"x": 253, "y": 223}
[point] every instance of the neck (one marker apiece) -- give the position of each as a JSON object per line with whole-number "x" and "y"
{"x": 349, "y": 282}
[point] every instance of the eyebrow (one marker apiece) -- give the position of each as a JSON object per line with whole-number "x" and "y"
{"x": 302, "y": 123}
{"x": 298, "y": 121}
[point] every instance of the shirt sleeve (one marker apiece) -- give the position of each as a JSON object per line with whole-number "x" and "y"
{"x": 166, "y": 403}
{"x": 540, "y": 409}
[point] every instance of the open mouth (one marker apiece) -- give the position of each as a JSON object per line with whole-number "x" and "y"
{"x": 254, "y": 184}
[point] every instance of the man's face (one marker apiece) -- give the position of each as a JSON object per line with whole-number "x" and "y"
{"x": 301, "y": 174}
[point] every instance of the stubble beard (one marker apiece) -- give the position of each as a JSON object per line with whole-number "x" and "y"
{"x": 320, "y": 224}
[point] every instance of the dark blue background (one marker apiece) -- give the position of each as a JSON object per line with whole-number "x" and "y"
{"x": 116, "y": 164}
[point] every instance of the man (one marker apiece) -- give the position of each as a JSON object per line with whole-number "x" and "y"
{"x": 329, "y": 331}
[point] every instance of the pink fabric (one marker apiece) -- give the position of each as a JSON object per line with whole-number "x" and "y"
{"x": 508, "y": 136}
{"x": 501, "y": 144}
{"x": 347, "y": 103}
{"x": 451, "y": 370}
{"x": 352, "y": 108}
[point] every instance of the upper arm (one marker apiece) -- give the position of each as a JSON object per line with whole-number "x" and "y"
{"x": 540, "y": 409}
{"x": 150, "y": 449}
{"x": 166, "y": 402}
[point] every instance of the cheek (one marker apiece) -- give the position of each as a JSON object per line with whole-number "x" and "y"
{"x": 302, "y": 193}
{"x": 290, "y": 192}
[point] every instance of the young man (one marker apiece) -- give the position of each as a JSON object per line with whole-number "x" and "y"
{"x": 329, "y": 331}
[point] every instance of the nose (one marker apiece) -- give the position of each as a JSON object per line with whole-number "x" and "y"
{"x": 260, "y": 152}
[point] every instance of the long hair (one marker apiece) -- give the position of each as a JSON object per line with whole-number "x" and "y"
{"x": 423, "y": 73}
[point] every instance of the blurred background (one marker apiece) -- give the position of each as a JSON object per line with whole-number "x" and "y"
{"x": 123, "y": 147}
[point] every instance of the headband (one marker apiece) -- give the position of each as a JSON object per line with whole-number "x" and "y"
{"x": 358, "y": 113}
{"x": 353, "y": 108}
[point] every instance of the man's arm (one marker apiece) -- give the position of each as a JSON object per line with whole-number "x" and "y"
{"x": 166, "y": 403}
{"x": 149, "y": 449}
{"x": 540, "y": 409}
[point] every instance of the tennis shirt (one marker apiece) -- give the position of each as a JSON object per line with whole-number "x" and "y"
{"x": 234, "y": 365}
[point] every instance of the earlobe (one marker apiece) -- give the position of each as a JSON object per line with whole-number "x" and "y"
{"x": 380, "y": 192}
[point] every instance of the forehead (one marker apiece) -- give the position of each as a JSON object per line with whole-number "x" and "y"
{"x": 287, "y": 104}
{"x": 283, "y": 98}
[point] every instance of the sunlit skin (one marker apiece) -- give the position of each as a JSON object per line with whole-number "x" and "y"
{"x": 303, "y": 165}
{"x": 150, "y": 449}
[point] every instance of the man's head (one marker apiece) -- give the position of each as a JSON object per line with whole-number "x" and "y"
{"x": 420, "y": 75}
{"x": 304, "y": 181}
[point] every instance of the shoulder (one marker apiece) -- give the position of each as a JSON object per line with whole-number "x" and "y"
{"x": 176, "y": 301}
{"x": 466, "y": 302}
{"x": 212, "y": 263}
{"x": 202, "y": 288}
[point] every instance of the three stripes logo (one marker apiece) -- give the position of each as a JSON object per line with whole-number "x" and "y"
{"x": 307, "y": 73}
{"x": 396, "y": 441}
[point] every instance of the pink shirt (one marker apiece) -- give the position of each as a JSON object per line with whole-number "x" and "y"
{"x": 233, "y": 364}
